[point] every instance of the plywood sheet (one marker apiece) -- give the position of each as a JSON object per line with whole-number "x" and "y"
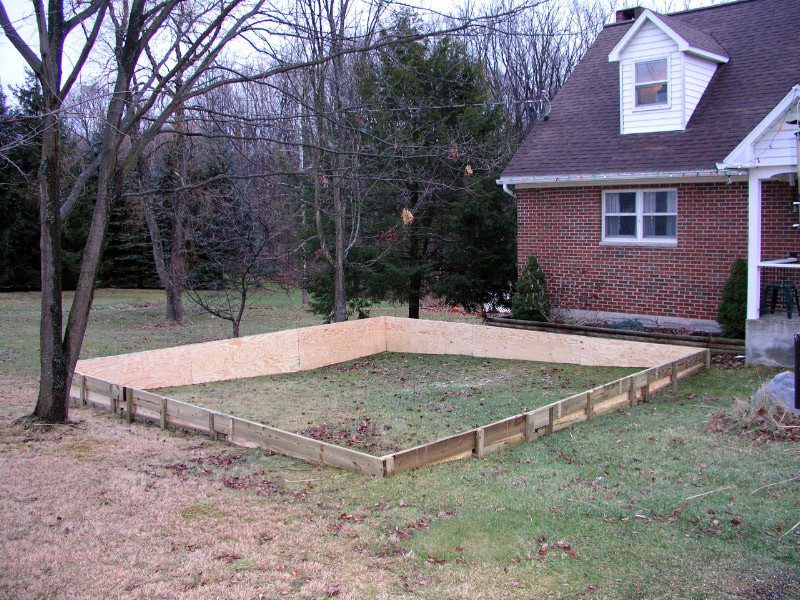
{"x": 338, "y": 342}
{"x": 512, "y": 344}
{"x": 251, "y": 356}
{"x": 428, "y": 337}
{"x": 622, "y": 353}
{"x": 142, "y": 370}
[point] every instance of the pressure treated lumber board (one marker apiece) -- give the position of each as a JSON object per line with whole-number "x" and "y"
{"x": 250, "y": 356}
{"x": 325, "y": 345}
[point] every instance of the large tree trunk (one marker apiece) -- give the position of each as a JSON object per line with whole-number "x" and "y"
{"x": 51, "y": 404}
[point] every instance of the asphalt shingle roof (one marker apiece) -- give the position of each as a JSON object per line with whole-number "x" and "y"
{"x": 582, "y": 135}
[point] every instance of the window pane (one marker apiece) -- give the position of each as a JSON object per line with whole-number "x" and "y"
{"x": 660, "y": 202}
{"x": 651, "y": 70}
{"x": 651, "y": 94}
{"x": 621, "y": 202}
{"x": 661, "y": 227}
{"x": 621, "y": 227}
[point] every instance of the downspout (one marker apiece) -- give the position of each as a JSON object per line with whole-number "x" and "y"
{"x": 508, "y": 190}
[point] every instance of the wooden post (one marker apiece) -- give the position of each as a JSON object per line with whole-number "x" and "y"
{"x": 230, "y": 431}
{"x": 388, "y": 466}
{"x": 646, "y": 388}
{"x": 127, "y": 393}
{"x": 212, "y": 433}
{"x": 163, "y": 413}
{"x": 114, "y": 392}
{"x": 82, "y": 389}
{"x": 708, "y": 358}
{"x": 589, "y": 406}
{"x": 632, "y": 392}
{"x": 550, "y": 419}
{"x": 675, "y": 376}
{"x": 530, "y": 432}
{"x": 479, "y": 449}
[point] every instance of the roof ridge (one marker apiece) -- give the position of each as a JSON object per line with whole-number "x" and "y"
{"x": 687, "y": 11}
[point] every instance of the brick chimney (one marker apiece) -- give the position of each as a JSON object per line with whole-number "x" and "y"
{"x": 628, "y": 14}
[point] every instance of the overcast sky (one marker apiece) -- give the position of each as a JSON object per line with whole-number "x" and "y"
{"x": 12, "y": 66}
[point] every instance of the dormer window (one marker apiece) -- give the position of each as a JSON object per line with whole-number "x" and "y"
{"x": 652, "y": 88}
{"x": 665, "y": 65}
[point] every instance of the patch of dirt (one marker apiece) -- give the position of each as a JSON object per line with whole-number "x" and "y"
{"x": 727, "y": 361}
{"x": 764, "y": 586}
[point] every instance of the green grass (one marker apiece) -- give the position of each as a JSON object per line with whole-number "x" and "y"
{"x": 651, "y": 503}
{"x": 388, "y": 402}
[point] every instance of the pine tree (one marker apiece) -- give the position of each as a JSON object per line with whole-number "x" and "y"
{"x": 732, "y": 310}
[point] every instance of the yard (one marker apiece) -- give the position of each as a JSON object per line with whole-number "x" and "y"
{"x": 646, "y": 503}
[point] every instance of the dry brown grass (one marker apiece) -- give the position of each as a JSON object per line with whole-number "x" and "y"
{"x": 90, "y": 511}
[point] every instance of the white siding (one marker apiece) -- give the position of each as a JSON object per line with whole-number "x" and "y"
{"x": 651, "y": 43}
{"x": 784, "y": 144}
{"x": 697, "y": 75}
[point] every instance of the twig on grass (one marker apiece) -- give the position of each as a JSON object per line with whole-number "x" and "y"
{"x": 790, "y": 531}
{"x": 775, "y": 483}
{"x": 727, "y": 487}
{"x": 315, "y": 479}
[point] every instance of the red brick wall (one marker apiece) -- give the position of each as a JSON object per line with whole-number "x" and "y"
{"x": 778, "y": 237}
{"x": 562, "y": 226}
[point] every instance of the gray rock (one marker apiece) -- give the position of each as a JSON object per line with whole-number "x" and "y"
{"x": 781, "y": 391}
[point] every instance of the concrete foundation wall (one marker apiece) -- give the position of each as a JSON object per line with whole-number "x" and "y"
{"x": 770, "y": 342}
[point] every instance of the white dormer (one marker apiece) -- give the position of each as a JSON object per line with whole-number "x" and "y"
{"x": 664, "y": 68}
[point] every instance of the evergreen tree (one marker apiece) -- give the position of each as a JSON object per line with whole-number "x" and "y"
{"x": 19, "y": 227}
{"x": 436, "y": 144}
{"x": 732, "y": 310}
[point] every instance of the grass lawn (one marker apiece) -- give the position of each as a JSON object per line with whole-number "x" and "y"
{"x": 389, "y": 402}
{"x": 643, "y": 503}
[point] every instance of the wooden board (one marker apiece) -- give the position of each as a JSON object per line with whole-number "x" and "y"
{"x": 450, "y": 448}
{"x": 516, "y": 344}
{"x": 338, "y": 342}
{"x": 428, "y": 337}
{"x": 251, "y": 356}
{"x": 143, "y": 370}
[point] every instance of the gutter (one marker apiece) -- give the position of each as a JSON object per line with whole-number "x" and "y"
{"x": 620, "y": 177}
{"x": 507, "y": 189}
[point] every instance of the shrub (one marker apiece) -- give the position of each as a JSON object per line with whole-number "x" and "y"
{"x": 531, "y": 300}
{"x": 732, "y": 310}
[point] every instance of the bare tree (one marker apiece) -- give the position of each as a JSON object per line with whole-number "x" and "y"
{"x": 136, "y": 28}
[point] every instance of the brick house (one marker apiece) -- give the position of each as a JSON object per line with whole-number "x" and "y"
{"x": 669, "y": 153}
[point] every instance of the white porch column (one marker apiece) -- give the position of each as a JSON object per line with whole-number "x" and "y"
{"x": 753, "y": 245}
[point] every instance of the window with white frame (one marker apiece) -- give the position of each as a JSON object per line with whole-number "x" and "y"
{"x": 640, "y": 216}
{"x": 651, "y": 83}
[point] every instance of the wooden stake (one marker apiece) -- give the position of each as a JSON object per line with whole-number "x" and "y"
{"x": 589, "y": 406}
{"x": 550, "y": 419}
{"x": 128, "y": 395}
{"x": 708, "y": 359}
{"x": 632, "y": 392}
{"x": 675, "y": 376}
{"x": 114, "y": 392}
{"x": 163, "y": 413}
{"x": 530, "y": 432}
{"x": 646, "y": 388}
{"x": 83, "y": 390}
{"x": 212, "y": 433}
{"x": 479, "y": 449}
{"x": 388, "y": 466}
